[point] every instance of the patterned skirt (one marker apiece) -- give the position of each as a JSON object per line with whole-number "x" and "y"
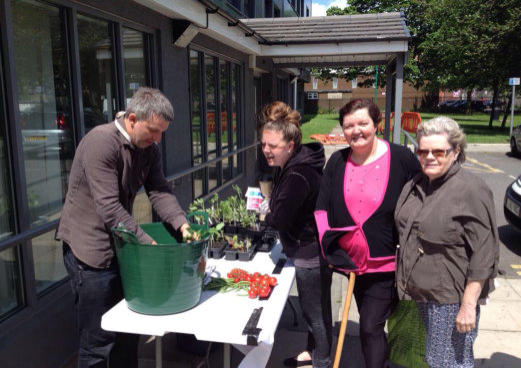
{"x": 445, "y": 346}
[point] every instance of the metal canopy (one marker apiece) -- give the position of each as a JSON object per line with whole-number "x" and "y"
{"x": 345, "y": 28}
{"x": 337, "y": 41}
{"x": 350, "y": 40}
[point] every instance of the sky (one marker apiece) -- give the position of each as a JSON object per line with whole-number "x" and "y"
{"x": 319, "y": 7}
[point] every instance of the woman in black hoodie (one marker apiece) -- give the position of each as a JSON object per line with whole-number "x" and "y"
{"x": 291, "y": 206}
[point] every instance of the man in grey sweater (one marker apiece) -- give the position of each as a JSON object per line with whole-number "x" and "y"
{"x": 111, "y": 164}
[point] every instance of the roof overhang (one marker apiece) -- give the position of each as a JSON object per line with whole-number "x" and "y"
{"x": 335, "y": 54}
{"x": 352, "y": 40}
{"x": 214, "y": 25}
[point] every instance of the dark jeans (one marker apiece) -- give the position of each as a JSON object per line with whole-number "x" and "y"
{"x": 95, "y": 292}
{"x": 376, "y": 298}
{"x": 314, "y": 291}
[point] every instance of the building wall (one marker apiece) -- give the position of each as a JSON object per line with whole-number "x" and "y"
{"x": 329, "y": 98}
{"x": 41, "y": 331}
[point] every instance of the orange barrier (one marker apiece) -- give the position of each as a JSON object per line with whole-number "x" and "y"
{"x": 329, "y": 139}
{"x": 381, "y": 126}
{"x": 410, "y": 121}
{"x": 210, "y": 120}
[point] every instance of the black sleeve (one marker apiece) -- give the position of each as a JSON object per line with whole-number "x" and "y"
{"x": 410, "y": 163}
{"x": 283, "y": 212}
{"x": 325, "y": 184}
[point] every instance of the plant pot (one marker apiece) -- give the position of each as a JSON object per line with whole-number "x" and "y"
{"x": 231, "y": 254}
{"x": 248, "y": 254}
{"x": 216, "y": 250}
{"x": 265, "y": 245}
{"x": 253, "y": 234}
{"x": 230, "y": 229}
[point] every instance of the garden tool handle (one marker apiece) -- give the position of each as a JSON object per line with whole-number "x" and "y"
{"x": 343, "y": 325}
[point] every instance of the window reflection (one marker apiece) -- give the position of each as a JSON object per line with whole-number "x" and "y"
{"x": 6, "y": 212}
{"x": 133, "y": 56}
{"x": 48, "y": 261}
{"x": 195, "y": 92}
{"x": 44, "y": 104}
{"x": 210, "y": 106}
{"x": 236, "y": 169}
{"x": 211, "y": 129}
{"x": 225, "y": 136}
{"x": 10, "y": 281}
{"x": 97, "y": 81}
{"x": 214, "y": 101}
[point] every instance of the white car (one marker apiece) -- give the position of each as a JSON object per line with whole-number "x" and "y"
{"x": 512, "y": 204}
{"x": 515, "y": 141}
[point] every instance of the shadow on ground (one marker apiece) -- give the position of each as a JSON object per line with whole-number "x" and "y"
{"x": 510, "y": 238}
{"x": 499, "y": 360}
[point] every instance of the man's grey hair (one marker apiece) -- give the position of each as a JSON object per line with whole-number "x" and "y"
{"x": 447, "y": 126}
{"x": 149, "y": 102}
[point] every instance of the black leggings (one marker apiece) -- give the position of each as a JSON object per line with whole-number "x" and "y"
{"x": 376, "y": 298}
{"x": 314, "y": 291}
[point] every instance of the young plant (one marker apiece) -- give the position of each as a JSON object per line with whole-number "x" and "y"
{"x": 198, "y": 206}
{"x": 226, "y": 212}
{"x": 214, "y": 211}
{"x": 216, "y": 233}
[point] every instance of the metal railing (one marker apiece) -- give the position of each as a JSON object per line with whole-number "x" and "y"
{"x": 408, "y": 137}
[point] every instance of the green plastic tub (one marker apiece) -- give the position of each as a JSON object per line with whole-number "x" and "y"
{"x": 160, "y": 279}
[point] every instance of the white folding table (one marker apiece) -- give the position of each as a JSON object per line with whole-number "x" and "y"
{"x": 218, "y": 317}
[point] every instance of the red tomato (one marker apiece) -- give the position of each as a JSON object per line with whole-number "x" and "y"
{"x": 273, "y": 281}
{"x": 256, "y": 274}
{"x": 265, "y": 282}
{"x": 252, "y": 294}
{"x": 264, "y": 291}
{"x": 236, "y": 280}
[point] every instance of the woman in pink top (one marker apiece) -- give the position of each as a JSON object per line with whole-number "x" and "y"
{"x": 354, "y": 215}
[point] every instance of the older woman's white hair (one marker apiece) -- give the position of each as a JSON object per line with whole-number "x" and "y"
{"x": 444, "y": 125}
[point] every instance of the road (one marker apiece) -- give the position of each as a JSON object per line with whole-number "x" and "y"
{"x": 499, "y": 169}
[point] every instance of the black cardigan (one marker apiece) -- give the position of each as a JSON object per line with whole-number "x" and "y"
{"x": 379, "y": 229}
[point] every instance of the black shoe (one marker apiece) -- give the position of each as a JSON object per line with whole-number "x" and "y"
{"x": 293, "y": 362}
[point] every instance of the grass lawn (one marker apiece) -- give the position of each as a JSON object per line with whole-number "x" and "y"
{"x": 317, "y": 124}
{"x": 475, "y": 126}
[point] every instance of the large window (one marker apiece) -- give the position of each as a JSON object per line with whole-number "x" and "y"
{"x": 49, "y": 63}
{"x": 6, "y": 207}
{"x": 134, "y": 57}
{"x": 97, "y": 71}
{"x": 214, "y": 94}
{"x": 10, "y": 280}
{"x": 45, "y": 108}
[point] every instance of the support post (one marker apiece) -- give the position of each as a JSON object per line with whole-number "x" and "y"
{"x": 512, "y": 112}
{"x": 159, "y": 354}
{"x": 226, "y": 356}
{"x": 398, "y": 99}
{"x": 388, "y": 100}
{"x": 295, "y": 93}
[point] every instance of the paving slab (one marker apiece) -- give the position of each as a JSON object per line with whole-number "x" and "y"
{"x": 498, "y": 349}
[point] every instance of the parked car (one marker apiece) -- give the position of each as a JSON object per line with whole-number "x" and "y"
{"x": 512, "y": 204}
{"x": 515, "y": 141}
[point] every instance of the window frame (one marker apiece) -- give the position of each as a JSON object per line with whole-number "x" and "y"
{"x": 231, "y": 64}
